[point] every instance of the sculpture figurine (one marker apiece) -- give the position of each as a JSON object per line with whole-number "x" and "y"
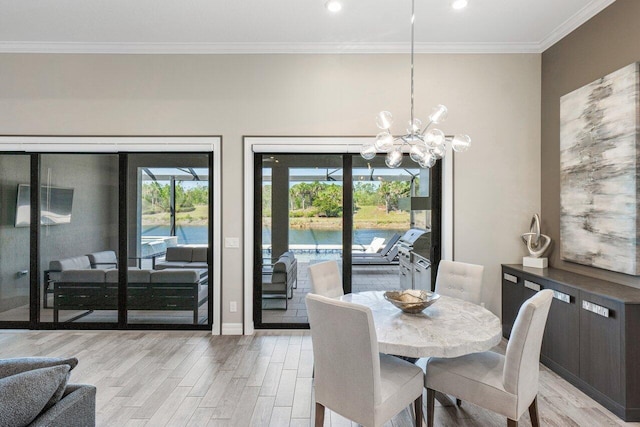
{"x": 537, "y": 245}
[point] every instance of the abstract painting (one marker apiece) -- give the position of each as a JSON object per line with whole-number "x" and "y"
{"x": 599, "y": 183}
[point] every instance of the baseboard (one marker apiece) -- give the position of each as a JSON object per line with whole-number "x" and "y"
{"x": 232, "y": 329}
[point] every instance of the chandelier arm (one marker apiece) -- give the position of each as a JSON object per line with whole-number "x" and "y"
{"x": 426, "y": 128}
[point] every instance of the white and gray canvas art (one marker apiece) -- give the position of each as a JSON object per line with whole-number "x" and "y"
{"x": 599, "y": 173}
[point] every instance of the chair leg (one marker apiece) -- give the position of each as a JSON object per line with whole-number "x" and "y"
{"x": 417, "y": 404}
{"x": 511, "y": 423}
{"x": 533, "y": 413}
{"x": 431, "y": 403}
{"x": 319, "y": 415}
{"x": 458, "y": 402}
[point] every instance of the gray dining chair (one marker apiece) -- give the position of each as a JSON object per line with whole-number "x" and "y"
{"x": 506, "y": 384}
{"x": 351, "y": 377}
{"x": 325, "y": 279}
{"x": 460, "y": 280}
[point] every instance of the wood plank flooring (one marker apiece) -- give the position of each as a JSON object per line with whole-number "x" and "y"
{"x": 180, "y": 378}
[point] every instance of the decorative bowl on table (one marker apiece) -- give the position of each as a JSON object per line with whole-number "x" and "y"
{"x": 411, "y": 301}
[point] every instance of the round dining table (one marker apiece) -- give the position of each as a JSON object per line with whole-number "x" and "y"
{"x": 450, "y": 327}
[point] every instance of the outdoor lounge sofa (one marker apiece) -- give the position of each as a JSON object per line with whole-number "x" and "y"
{"x": 184, "y": 257}
{"x": 387, "y": 255}
{"x": 280, "y": 280}
{"x": 83, "y": 262}
{"x": 97, "y": 289}
{"x": 105, "y": 260}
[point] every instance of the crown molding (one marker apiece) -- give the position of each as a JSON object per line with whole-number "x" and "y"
{"x": 575, "y": 21}
{"x": 262, "y": 48}
{"x": 583, "y": 15}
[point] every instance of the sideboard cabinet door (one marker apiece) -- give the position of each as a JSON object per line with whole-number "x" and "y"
{"x": 512, "y": 299}
{"x": 600, "y": 344}
{"x": 561, "y": 342}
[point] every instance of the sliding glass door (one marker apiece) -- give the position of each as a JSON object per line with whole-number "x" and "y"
{"x": 381, "y": 215}
{"x": 106, "y": 240}
{"x": 300, "y": 222}
{"x": 14, "y": 238}
{"x": 78, "y": 238}
{"x": 169, "y": 231}
{"x": 311, "y": 208}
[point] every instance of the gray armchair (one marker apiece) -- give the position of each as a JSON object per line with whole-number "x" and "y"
{"x": 77, "y": 408}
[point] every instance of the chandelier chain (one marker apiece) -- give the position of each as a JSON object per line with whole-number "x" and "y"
{"x": 413, "y": 19}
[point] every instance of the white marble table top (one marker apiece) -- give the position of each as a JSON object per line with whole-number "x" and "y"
{"x": 449, "y": 328}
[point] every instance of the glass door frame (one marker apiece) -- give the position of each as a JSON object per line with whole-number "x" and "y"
{"x": 35, "y": 147}
{"x": 253, "y": 144}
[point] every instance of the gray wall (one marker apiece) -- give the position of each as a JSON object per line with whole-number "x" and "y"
{"x": 604, "y": 44}
{"x": 14, "y": 242}
{"x": 494, "y": 98}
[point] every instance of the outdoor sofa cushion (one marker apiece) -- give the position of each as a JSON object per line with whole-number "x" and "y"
{"x": 103, "y": 259}
{"x": 184, "y": 257}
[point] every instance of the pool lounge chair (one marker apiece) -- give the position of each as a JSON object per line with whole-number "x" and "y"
{"x": 388, "y": 254}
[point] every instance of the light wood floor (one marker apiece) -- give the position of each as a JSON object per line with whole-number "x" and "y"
{"x": 194, "y": 379}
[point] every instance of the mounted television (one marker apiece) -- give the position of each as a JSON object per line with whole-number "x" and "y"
{"x": 55, "y": 205}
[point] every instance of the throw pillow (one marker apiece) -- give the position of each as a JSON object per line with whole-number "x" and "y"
{"x": 25, "y": 395}
{"x": 9, "y": 367}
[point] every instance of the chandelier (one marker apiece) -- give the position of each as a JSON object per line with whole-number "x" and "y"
{"x": 425, "y": 144}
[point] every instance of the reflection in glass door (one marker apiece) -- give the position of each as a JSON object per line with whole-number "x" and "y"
{"x": 14, "y": 238}
{"x": 300, "y": 223}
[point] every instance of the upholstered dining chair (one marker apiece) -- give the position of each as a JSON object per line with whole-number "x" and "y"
{"x": 506, "y": 384}
{"x": 460, "y": 280}
{"x": 351, "y": 377}
{"x": 325, "y": 279}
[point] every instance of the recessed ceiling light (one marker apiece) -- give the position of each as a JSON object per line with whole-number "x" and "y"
{"x": 333, "y": 6}
{"x": 459, "y": 4}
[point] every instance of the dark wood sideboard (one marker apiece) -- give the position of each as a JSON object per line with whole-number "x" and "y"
{"x": 592, "y": 338}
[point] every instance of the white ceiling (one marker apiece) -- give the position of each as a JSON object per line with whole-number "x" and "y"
{"x": 286, "y": 26}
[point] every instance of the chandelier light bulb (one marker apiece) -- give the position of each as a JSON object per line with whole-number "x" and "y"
{"x": 418, "y": 152}
{"x": 434, "y": 138}
{"x": 439, "y": 114}
{"x": 461, "y": 143}
{"x": 368, "y": 151}
{"x": 439, "y": 151}
{"x": 384, "y": 141}
{"x": 393, "y": 158}
{"x": 459, "y": 4}
{"x": 428, "y": 161}
{"x": 333, "y": 6}
{"x": 384, "y": 120}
